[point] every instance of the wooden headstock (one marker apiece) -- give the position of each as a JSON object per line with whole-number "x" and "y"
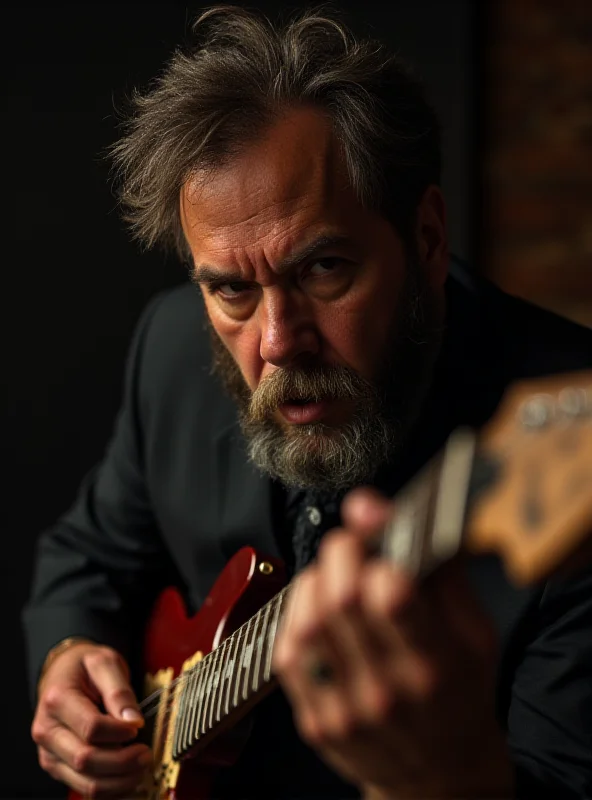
{"x": 535, "y": 506}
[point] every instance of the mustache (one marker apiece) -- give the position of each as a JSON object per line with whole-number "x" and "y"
{"x": 315, "y": 383}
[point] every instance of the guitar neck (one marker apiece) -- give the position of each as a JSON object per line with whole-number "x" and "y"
{"x": 430, "y": 511}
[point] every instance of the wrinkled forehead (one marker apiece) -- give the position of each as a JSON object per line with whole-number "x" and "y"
{"x": 294, "y": 166}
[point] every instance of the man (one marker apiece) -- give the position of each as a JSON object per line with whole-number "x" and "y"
{"x": 297, "y": 170}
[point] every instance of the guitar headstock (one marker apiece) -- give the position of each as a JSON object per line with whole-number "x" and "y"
{"x": 535, "y": 506}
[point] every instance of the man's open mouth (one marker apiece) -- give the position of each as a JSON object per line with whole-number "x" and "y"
{"x": 301, "y": 411}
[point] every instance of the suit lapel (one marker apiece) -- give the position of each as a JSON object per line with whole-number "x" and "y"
{"x": 244, "y": 497}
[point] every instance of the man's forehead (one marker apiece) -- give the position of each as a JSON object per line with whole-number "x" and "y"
{"x": 295, "y": 163}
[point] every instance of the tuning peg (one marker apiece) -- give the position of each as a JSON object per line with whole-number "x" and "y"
{"x": 574, "y": 402}
{"x": 537, "y": 411}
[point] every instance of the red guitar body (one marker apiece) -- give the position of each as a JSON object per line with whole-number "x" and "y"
{"x": 248, "y": 581}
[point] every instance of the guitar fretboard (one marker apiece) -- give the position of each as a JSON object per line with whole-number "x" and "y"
{"x": 230, "y": 677}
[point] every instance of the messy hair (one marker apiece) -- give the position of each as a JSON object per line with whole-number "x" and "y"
{"x": 240, "y": 74}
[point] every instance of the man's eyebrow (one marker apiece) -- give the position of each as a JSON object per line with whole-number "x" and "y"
{"x": 204, "y": 273}
{"x": 309, "y": 250}
{"x": 212, "y": 276}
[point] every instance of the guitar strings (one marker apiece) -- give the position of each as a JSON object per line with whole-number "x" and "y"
{"x": 154, "y": 697}
{"x": 183, "y": 676}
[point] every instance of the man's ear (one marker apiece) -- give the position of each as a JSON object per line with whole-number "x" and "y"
{"x": 432, "y": 236}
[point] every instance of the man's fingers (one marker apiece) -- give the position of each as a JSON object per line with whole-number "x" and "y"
{"x": 366, "y": 510}
{"x": 75, "y": 710}
{"x": 109, "y": 674}
{"x": 89, "y": 786}
{"x": 98, "y": 761}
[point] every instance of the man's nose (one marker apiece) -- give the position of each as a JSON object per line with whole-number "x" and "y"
{"x": 288, "y": 332}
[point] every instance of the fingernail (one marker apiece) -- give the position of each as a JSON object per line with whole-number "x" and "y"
{"x": 131, "y": 715}
{"x": 145, "y": 759}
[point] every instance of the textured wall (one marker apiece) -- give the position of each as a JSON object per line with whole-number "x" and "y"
{"x": 538, "y": 151}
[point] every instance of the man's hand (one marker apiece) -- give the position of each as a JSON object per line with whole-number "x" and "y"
{"x": 403, "y": 702}
{"x": 78, "y": 744}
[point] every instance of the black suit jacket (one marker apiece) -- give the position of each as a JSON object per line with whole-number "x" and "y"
{"x": 174, "y": 498}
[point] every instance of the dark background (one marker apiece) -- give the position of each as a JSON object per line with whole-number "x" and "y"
{"x": 73, "y": 282}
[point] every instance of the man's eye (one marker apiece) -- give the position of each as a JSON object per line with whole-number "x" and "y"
{"x": 323, "y": 266}
{"x": 230, "y": 290}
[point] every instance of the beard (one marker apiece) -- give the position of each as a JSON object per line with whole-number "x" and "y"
{"x": 339, "y": 457}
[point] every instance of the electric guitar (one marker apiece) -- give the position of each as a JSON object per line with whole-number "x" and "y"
{"x": 521, "y": 488}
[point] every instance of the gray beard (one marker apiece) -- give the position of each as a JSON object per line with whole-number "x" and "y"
{"x": 385, "y": 411}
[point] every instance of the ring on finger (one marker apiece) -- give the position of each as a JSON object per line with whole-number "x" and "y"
{"x": 320, "y": 672}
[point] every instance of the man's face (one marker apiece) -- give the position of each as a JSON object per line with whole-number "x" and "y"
{"x": 315, "y": 300}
